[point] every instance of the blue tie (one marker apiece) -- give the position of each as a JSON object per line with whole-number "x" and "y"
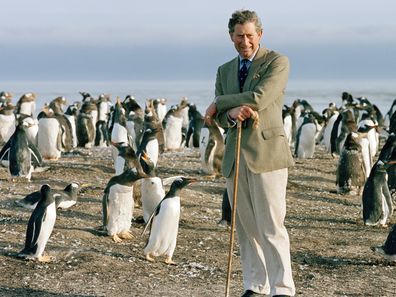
{"x": 243, "y": 73}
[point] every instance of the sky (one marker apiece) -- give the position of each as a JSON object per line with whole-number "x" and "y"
{"x": 181, "y": 39}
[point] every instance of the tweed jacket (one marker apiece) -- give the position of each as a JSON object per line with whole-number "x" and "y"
{"x": 264, "y": 148}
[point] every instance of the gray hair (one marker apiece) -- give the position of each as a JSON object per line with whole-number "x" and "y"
{"x": 244, "y": 16}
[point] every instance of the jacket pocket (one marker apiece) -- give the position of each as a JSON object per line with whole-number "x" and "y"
{"x": 274, "y": 132}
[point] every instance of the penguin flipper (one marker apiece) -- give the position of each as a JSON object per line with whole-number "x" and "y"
{"x": 37, "y": 159}
{"x": 105, "y": 213}
{"x": 154, "y": 213}
{"x": 5, "y": 149}
{"x": 209, "y": 148}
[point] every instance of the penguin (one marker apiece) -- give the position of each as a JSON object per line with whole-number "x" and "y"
{"x": 305, "y": 138}
{"x": 49, "y": 135}
{"x": 160, "y": 108}
{"x": 7, "y": 122}
{"x": 71, "y": 114}
{"x": 351, "y": 174}
{"x": 153, "y": 122}
{"x": 389, "y": 115}
{"x": 40, "y": 226}
{"x": 134, "y": 119}
{"x": 22, "y": 154}
{"x": 211, "y": 149}
{"x": 118, "y": 203}
{"x": 196, "y": 123}
{"x": 102, "y": 137}
{"x": 173, "y": 124}
{"x": 119, "y": 132}
{"x": 151, "y": 189}
{"x": 225, "y": 210}
{"x": 150, "y": 145}
{"x": 183, "y": 107}
{"x": 164, "y": 222}
{"x": 66, "y": 127}
{"x": 340, "y": 131}
{"x": 287, "y": 123}
{"x": 85, "y": 128}
{"x": 376, "y": 199}
{"x": 367, "y": 125}
{"x": 125, "y": 159}
{"x": 388, "y": 249}
{"x": 328, "y": 129}
{"x": 26, "y": 105}
{"x": 64, "y": 199}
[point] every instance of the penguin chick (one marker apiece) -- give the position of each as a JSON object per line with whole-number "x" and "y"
{"x": 40, "y": 226}
{"x": 165, "y": 223}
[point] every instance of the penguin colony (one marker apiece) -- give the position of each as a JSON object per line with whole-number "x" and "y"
{"x": 351, "y": 134}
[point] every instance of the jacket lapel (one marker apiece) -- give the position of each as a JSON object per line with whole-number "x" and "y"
{"x": 257, "y": 62}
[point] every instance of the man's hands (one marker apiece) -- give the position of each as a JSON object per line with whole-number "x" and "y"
{"x": 241, "y": 113}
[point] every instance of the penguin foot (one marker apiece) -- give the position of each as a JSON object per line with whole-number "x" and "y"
{"x": 45, "y": 259}
{"x": 116, "y": 238}
{"x": 126, "y": 235}
{"x": 150, "y": 258}
{"x": 169, "y": 261}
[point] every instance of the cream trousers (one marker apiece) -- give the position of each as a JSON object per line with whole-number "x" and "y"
{"x": 262, "y": 236}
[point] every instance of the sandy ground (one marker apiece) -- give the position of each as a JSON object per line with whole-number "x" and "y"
{"x": 330, "y": 246}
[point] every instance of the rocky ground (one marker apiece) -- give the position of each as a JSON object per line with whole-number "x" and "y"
{"x": 330, "y": 246}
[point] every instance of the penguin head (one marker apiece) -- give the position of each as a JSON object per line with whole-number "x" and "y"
{"x": 182, "y": 182}
{"x": 147, "y": 164}
{"x": 45, "y": 194}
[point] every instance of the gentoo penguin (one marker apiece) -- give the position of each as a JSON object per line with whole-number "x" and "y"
{"x": 22, "y": 154}
{"x": 331, "y": 117}
{"x": 26, "y": 105}
{"x": 376, "y": 200}
{"x": 125, "y": 159}
{"x": 150, "y": 145}
{"x": 5, "y": 98}
{"x": 160, "y": 108}
{"x": 164, "y": 222}
{"x": 40, "y": 226}
{"x": 66, "y": 127}
{"x": 305, "y": 138}
{"x": 151, "y": 189}
{"x": 388, "y": 249}
{"x": 287, "y": 123}
{"x": 183, "y": 107}
{"x": 196, "y": 122}
{"x": 134, "y": 119}
{"x": 211, "y": 149}
{"x": 7, "y": 122}
{"x": 153, "y": 122}
{"x": 102, "y": 137}
{"x": 71, "y": 114}
{"x": 351, "y": 174}
{"x": 173, "y": 124}
{"x": 367, "y": 125}
{"x": 49, "y": 135}
{"x": 64, "y": 199}
{"x": 342, "y": 127}
{"x": 119, "y": 132}
{"x": 85, "y": 128}
{"x": 389, "y": 114}
{"x": 118, "y": 203}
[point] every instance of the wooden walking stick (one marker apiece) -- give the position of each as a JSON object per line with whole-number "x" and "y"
{"x": 234, "y": 201}
{"x": 255, "y": 119}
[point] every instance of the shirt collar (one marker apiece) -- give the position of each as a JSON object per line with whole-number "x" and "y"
{"x": 250, "y": 59}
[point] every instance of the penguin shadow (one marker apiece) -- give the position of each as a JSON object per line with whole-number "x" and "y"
{"x": 18, "y": 292}
{"x": 310, "y": 258}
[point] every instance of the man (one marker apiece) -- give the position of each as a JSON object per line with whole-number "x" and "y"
{"x": 253, "y": 84}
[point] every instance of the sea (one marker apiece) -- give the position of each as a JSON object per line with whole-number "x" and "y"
{"x": 319, "y": 93}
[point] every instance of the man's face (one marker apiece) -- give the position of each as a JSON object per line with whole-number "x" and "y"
{"x": 246, "y": 39}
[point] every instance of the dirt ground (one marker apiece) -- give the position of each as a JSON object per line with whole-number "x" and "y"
{"x": 330, "y": 246}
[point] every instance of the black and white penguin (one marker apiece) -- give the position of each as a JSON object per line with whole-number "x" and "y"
{"x": 125, "y": 159}
{"x": 64, "y": 199}
{"x": 196, "y": 123}
{"x": 71, "y": 114}
{"x": 351, "y": 174}
{"x": 119, "y": 132}
{"x": 49, "y": 135}
{"x": 160, "y": 107}
{"x": 23, "y": 155}
{"x": 211, "y": 149}
{"x": 7, "y": 122}
{"x": 388, "y": 249}
{"x": 164, "y": 223}
{"x": 287, "y": 117}
{"x": 102, "y": 137}
{"x": 376, "y": 199}
{"x": 85, "y": 128}
{"x": 149, "y": 144}
{"x": 305, "y": 137}
{"x": 183, "y": 107}
{"x": 344, "y": 124}
{"x": 118, "y": 203}
{"x": 66, "y": 127}
{"x": 153, "y": 122}
{"x": 389, "y": 114}
{"x": 173, "y": 124}
{"x": 26, "y": 105}
{"x": 40, "y": 226}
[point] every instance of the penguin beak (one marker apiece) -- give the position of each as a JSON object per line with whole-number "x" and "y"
{"x": 189, "y": 180}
